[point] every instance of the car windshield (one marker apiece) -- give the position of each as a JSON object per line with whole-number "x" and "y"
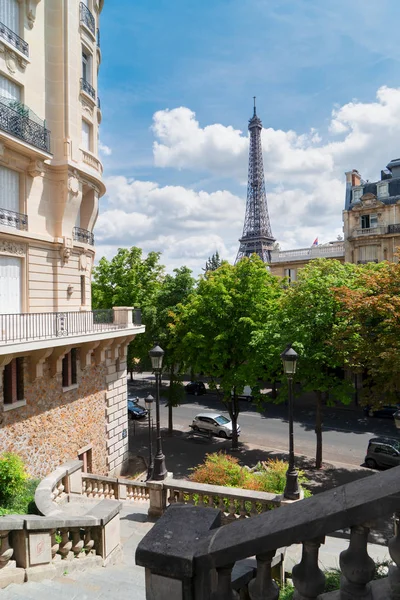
{"x": 221, "y": 420}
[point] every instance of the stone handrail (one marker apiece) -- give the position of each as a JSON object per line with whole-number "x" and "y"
{"x": 201, "y": 555}
{"x": 234, "y": 503}
{"x": 114, "y": 488}
{"x": 307, "y": 253}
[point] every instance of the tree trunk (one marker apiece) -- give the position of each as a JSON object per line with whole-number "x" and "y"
{"x": 131, "y": 372}
{"x": 318, "y": 430}
{"x": 234, "y": 416}
{"x": 274, "y": 391}
{"x": 170, "y": 391}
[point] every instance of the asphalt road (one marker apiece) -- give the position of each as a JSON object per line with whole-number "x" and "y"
{"x": 345, "y": 432}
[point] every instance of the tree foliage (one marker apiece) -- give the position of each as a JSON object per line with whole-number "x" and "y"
{"x": 215, "y": 327}
{"x": 213, "y": 263}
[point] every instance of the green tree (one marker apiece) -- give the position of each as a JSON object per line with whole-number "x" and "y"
{"x": 308, "y": 316}
{"x": 174, "y": 290}
{"x": 129, "y": 279}
{"x": 213, "y": 263}
{"x": 216, "y": 326}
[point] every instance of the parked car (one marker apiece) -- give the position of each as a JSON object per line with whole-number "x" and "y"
{"x": 386, "y": 411}
{"x": 132, "y": 397}
{"x": 196, "y": 387}
{"x": 383, "y": 452}
{"x": 213, "y": 423}
{"x": 245, "y": 394}
{"x": 135, "y": 411}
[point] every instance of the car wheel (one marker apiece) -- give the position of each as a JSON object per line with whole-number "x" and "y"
{"x": 195, "y": 428}
{"x": 196, "y": 393}
{"x": 223, "y": 434}
{"x": 130, "y": 416}
{"x": 371, "y": 463}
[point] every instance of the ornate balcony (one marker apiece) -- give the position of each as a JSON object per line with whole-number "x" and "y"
{"x": 395, "y": 228}
{"x": 19, "y": 121}
{"x": 89, "y": 89}
{"x": 36, "y": 327}
{"x": 14, "y": 39}
{"x": 83, "y": 235}
{"x": 379, "y": 230}
{"x": 9, "y": 218}
{"x": 87, "y": 18}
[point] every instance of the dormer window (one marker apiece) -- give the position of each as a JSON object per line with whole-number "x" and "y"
{"x": 369, "y": 221}
{"x": 383, "y": 189}
{"x": 357, "y": 193}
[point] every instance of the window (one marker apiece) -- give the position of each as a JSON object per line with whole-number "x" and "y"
{"x": 13, "y": 381}
{"x": 9, "y": 14}
{"x": 383, "y": 190}
{"x": 87, "y": 66}
{"x": 290, "y": 274}
{"x": 9, "y": 89}
{"x": 86, "y": 136}
{"x": 357, "y": 193}
{"x": 9, "y": 189}
{"x": 69, "y": 369}
{"x": 368, "y": 254}
{"x": 369, "y": 221}
{"x": 10, "y": 291}
{"x": 83, "y": 290}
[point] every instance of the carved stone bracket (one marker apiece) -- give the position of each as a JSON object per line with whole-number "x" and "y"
{"x": 13, "y": 60}
{"x": 31, "y": 12}
{"x": 65, "y": 250}
{"x": 100, "y": 352}
{"x": 12, "y": 248}
{"x": 86, "y": 351}
{"x": 56, "y": 359}
{"x": 38, "y": 359}
{"x": 36, "y": 168}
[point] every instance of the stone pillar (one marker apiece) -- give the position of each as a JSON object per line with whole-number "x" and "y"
{"x": 123, "y": 316}
{"x": 116, "y": 415}
{"x": 158, "y": 498}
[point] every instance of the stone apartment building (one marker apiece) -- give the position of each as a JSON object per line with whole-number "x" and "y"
{"x": 62, "y": 365}
{"x": 371, "y": 226}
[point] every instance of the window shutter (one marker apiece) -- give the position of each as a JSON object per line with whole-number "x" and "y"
{"x": 9, "y": 14}
{"x": 10, "y": 285}
{"x": 9, "y": 189}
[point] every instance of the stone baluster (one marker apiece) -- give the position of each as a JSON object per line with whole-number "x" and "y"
{"x": 106, "y": 490}
{"x": 224, "y": 589}
{"x": 394, "y": 551}
{"x": 263, "y": 587}
{"x": 201, "y": 500}
{"x": 129, "y": 492}
{"x": 54, "y": 545}
{"x": 357, "y": 567}
{"x": 171, "y": 496}
{"x": 181, "y": 496}
{"x": 77, "y": 542}
{"x": 95, "y": 488}
{"x": 100, "y": 486}
{"x": 308, "y": 579}
{"x": 242, "y": 510}
{"x": 253, "y": 512}
{"x": 89, "y": 489}
{"x": 231, "y": 510}
{"x": 221, "y": 505}
{"x": 84, "y": 492}
{"x": 88, "y": 541}
{"x": 6, "y": 551}
{"x": 65, "y": 545}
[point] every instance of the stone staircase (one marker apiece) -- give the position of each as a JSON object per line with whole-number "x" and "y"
{"x": 124, "y": 581}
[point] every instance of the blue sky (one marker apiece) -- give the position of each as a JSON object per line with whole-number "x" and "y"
{"x": 303, "y": 59}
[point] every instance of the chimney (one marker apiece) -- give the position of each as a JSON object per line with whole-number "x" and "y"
{"x": 353, "y": 178}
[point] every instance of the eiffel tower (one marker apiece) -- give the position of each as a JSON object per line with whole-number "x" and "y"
{"x": 257, "y": 236}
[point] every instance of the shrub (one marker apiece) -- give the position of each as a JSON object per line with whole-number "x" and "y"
{"x": 12, "y": 478}
{"x": 272, "y": 477}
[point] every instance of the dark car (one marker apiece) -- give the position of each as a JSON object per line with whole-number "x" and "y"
{"x": 196, "y": 387}
{"x": 135, "y": 411}
{"x": 383, "y": 452}
{"x": 132, "y": 397}
{"x": 386, "y": 411}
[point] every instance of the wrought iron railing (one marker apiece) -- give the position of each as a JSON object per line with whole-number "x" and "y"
{"x": 395, "y": 228}
{"x": 9, "y": 218}
{"x": 27, "y": 327}
{"x": 18, "y": 122}
{"x": 87, "y": 18}
{"x": 83, "y": 235}
{"x": 89, "y": 89}
{"x": 12, "y": 38}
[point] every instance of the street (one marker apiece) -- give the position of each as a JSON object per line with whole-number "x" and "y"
{"x": 345, "y": 432}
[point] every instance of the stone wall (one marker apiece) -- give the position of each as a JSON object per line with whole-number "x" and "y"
{"x": 55, "y": 424}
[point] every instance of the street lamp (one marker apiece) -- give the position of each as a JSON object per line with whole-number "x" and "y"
{"x": 149, "y": 405}
{"x": 159, "y": 470}
{"x": 292, "y": 490}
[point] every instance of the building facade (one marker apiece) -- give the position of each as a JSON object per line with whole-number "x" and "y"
{"x": 62, "y": 365}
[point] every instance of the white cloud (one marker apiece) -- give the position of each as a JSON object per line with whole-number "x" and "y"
{"x": 106, "y": 150}
{"x": 304, "y": 177}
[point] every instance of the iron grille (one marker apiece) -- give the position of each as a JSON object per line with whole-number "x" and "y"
{"x": 394, "y": 228}
{"x": 12, "y": 38}
{"x": 89, "y": 89}
{"x": 10, "y": 218}
{"x": 17, "y": 123}
{"x": 87, "y": 18}
{"x": 83, "y": 235}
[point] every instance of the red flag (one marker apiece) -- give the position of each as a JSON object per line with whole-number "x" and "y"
{"x": 315, "y": 242}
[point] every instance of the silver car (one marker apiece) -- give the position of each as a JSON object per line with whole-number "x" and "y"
{"x": 213, "y": 423}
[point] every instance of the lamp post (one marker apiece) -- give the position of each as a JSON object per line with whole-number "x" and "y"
{"x": 149, "y": 405}
{"x": 292, "y": 490}
{"x": 159, "y": 471}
